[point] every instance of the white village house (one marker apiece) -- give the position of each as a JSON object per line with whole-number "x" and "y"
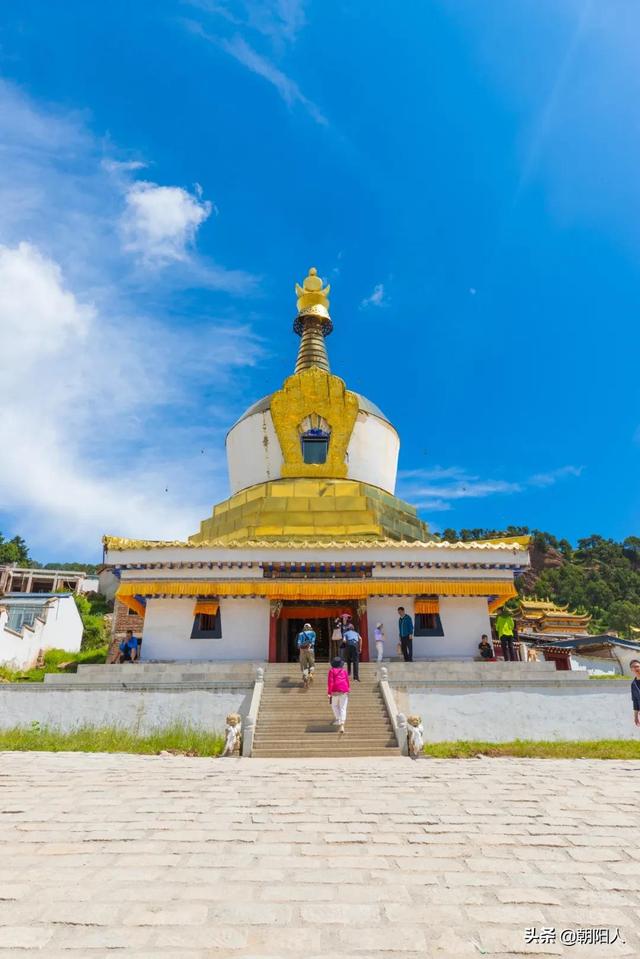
{"x": 34, "y": 622}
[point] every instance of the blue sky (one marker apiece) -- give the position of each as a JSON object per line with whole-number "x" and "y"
{"x": 465, "y": 176}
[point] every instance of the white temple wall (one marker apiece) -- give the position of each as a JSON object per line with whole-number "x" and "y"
{"x": 392, "y": 569}
{"x": 253, "y": 452}
{"x": 372, "y": 453}
{"x": 169, "y": 622}
{"x": 384, "y": 609}
{"x": 464, "y": 620}
{"x": 222, "y": 571}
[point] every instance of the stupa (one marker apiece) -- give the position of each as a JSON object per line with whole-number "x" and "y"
{"x": 312, "y": 528}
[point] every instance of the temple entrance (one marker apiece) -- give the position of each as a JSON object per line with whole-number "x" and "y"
{"x": 321, "y": 615}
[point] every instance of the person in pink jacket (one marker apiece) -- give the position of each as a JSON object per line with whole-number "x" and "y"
{"x": 338, "y": 689}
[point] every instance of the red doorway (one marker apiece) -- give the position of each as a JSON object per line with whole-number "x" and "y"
{"x": 284, "y": 627}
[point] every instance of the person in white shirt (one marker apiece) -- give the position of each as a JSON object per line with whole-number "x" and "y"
{"x": 379, "y": 640}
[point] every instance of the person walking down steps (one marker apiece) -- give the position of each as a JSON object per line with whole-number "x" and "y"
{"x": 306, "y": 649}
{"x": 338, "y": 687}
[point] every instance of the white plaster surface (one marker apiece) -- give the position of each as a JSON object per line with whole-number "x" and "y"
{"x": 464, "y": 620}
{"x": 254, "y": 454}
{"x": 218, "y": 571}
{"x": 140, "y": 711}
{"x": 372, "y": 453}
{"x": 167, "y": 856}
{"x": 384, "y": 609}
{"x": 60, "y": 628}
{"x": 589, "y": 710}
{"x": 169, "y": 622}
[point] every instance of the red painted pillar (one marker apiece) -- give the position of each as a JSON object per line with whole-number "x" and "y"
{"x": 273, "y": 634}
{"x": 364, "y": 632}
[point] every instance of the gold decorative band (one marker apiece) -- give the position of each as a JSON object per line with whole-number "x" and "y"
{"x": 311, "y": 589}
{"x": 204, "y": 606}
{"x": 131, "y": 603}
{"x": 427, "y": 606}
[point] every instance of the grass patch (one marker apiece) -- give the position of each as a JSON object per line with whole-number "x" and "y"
{"x": 53, "y": 659}
{"x": 532, "y": 749}
{"x": 111, "y": 739}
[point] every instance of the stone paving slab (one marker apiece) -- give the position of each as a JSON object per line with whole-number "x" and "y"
{"x": 154, "y": 856}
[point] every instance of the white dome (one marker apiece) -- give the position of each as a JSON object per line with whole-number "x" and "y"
{"x": 254, "y": 454}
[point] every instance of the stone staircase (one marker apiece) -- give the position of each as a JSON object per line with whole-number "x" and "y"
{"x": 294, "y": 722}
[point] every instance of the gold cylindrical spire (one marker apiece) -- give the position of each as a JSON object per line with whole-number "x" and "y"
{"x": 313, "y": 322}
{"x": 312, "y": 350}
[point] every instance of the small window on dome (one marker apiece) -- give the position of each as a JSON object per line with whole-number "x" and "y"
{"x": 315, "y": 447}
{"x": 315, "y": 434}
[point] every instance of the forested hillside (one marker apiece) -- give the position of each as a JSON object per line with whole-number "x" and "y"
{"x": 598, "y": 576}
{"x": 15, "y": 552}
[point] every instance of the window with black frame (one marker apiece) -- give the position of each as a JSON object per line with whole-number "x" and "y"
{"x": 207, "y": 626}
{"x": 428, "y": 624}
{"x": 315, "y": 447}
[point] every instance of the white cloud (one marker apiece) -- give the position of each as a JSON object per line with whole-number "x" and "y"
{"x": 439, "y": 488}
{"x": 279, "y": 20}
{"x": 376, "y": 298}
{"x": 36, "y": 311}
{"x": 548, "y": 479}
{"x": 160, "y": 222}
{"x": 262, "y": 66}
{"x": 86, "y": 447}
{"x": 111, "y": 421}
{"x": 288, "y": 89}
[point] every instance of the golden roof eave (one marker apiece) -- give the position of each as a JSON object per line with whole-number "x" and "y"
{"x": 117, "y": 543}
{"x": 318, "y": 589}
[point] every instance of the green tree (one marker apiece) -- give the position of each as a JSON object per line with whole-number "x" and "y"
{"x": 622, "y": 615}
{"x": 14, "y": 552}
{"x": 76, "y": 567}
{"x": 94, "y": 632}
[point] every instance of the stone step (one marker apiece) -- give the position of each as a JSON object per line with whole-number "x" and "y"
{"x": 322, "y": 753}
{"x": 317, "y": 709}
{"x": 294, "y": 721}
{"x": 325, "y": 724}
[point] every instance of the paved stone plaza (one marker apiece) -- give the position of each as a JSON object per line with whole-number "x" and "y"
{"x": 167, "y": 856}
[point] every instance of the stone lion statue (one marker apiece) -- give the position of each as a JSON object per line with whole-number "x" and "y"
{"x": 232, "y": 732}
{"x": 415, "y": 734}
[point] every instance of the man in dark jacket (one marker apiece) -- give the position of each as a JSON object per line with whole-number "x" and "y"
{"x": 635, "y": 690}
{"x": 405, "y": 628}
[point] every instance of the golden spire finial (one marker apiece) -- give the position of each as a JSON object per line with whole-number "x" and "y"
{"x": 311, "y": 294}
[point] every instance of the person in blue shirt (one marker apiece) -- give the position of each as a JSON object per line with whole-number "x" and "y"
{"x": 129, "y": 648}
{"x": 405, "y": 628}
{"x": 352, "y": 650}
{"x": 635, "y": 690}
{"x": 306, "y": 648}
